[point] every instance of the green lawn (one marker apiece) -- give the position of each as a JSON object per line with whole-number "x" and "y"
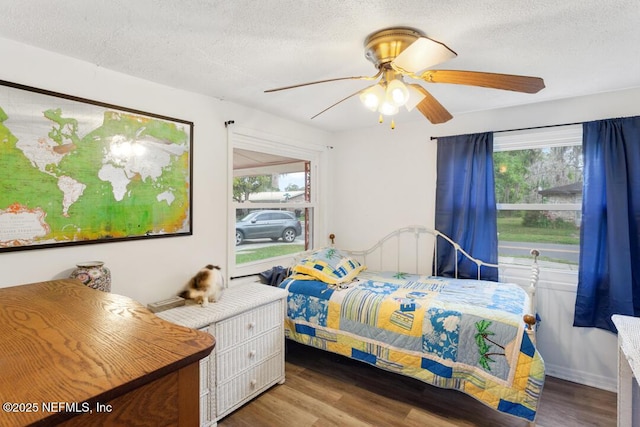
{"x": 267, "y": 252}
{"x": 512, "y": 230}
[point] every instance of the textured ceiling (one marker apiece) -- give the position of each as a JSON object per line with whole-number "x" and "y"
{"x": 235, "y": 49}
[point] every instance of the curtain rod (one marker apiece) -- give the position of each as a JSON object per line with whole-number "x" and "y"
{"x": 529, "y": 128}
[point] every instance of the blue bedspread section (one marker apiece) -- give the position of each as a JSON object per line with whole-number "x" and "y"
{"x": 455, "y": 333}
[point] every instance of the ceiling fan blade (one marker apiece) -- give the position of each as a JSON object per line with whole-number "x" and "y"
{"x": 512, "y": 82}
{"x": 342, "y": 100}
{"x": 431, "y": 108}
{"x": 422, "y": 54}
{"x": 378, "y": 74}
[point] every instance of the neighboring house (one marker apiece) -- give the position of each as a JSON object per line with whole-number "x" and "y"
{"x": 569, "y": 193}
{"x": 277, "y": 196}
{"x": 296, "y": 196}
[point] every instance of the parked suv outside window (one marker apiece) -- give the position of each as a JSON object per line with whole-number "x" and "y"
{"x": 268, "y": 224}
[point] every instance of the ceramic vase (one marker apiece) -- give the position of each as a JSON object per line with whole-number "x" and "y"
{"x": 94, "y": 275}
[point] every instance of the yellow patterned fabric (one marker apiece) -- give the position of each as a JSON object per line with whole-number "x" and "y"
{"x": 329, "y": 265}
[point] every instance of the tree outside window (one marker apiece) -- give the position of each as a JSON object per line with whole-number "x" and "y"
{"x": 539, "y": 194}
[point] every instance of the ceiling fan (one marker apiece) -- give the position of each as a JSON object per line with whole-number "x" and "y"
{"x": 405, "y": 52}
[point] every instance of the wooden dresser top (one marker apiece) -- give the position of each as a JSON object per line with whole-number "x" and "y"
{"x": 61, "y": 341}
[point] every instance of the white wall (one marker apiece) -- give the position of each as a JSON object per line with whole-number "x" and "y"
{"x": 383, "y": 179}
{"x": 153, "y": 269}
{"x": 583, "y": 355}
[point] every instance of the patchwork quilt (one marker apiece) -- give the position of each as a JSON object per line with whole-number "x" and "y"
{"x": 460, "y": 334}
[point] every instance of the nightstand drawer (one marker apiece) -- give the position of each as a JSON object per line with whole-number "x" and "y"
{"x": 244, "y": 387}
{"x": 247, "y": 354}
{"x": 247, "y": 325}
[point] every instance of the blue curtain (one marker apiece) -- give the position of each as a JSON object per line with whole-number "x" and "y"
{"x": 609, "y": 271}
{"x": 466, "y": 204}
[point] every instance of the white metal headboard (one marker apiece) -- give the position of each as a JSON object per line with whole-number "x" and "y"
{"x": 414, "y": 251}
{"x": 416, "y": 246}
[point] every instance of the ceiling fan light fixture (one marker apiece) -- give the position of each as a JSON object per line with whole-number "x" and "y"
{"x": 388, "y": 109}
{"x": 372, "y": 97}
{"x": 397, "y": 93}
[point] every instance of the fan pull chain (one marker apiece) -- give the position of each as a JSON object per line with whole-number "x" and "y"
{"x": 381, "y": 120}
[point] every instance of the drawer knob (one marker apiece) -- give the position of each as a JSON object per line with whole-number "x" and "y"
{"x": 253, "y": 383}
{"x": 252, "y": 353}
{"x": 252, "y": 325}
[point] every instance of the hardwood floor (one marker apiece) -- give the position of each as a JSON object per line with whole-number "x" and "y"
{"x": 323, "y": 389}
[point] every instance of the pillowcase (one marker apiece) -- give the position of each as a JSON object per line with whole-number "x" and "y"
{"x": 329, "y": 265}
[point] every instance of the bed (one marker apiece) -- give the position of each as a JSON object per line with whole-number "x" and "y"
{"x": 376, "y": 306}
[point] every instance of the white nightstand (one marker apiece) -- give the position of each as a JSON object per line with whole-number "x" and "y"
{"x": 628, "y": 369}
{"x": 248, "y": 358}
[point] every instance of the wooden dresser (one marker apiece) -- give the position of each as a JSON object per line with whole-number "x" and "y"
{"x": 248, "y": 325}
{"x": 73, "y": 355}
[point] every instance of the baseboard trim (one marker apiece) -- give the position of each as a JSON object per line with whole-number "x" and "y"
{"x": 585, "y": 378}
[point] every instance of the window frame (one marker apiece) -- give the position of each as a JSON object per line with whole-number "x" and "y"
{"x": 249, "y": 139}
{"x": 531, "y": 139}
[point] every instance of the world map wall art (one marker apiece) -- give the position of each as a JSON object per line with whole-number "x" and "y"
{"x": 76, "y": 171}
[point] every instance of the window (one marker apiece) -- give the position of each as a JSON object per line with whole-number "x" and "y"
{"x": 538, "y": 176}
{"x": 273, "y": 201}
{"x": 272, "y": 210}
